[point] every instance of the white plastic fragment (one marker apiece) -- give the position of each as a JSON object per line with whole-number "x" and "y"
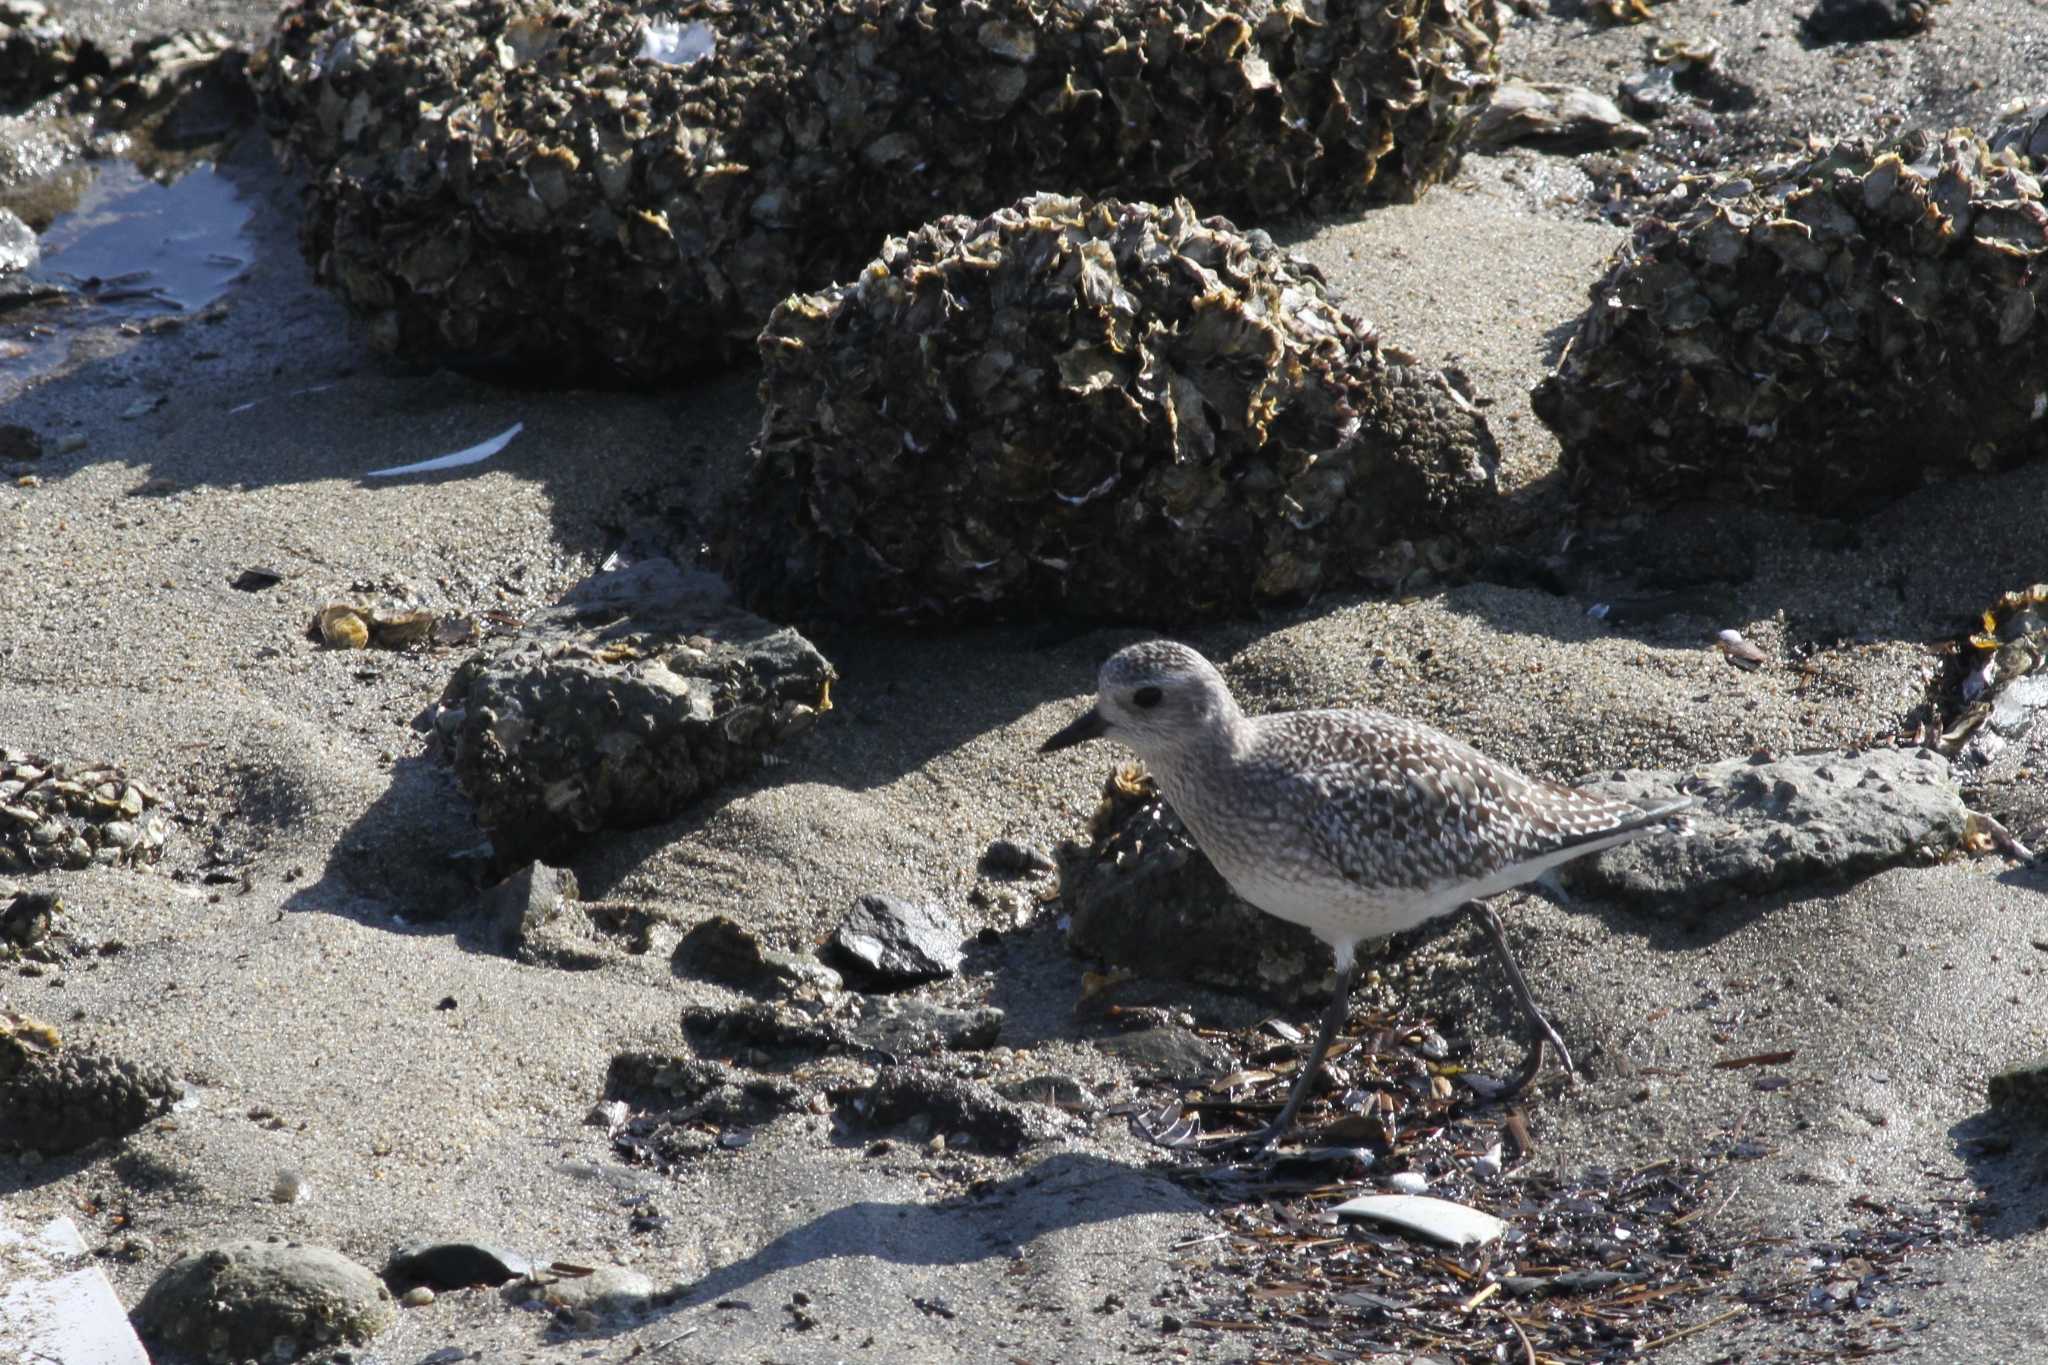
{"x": 49, "y": 1311}
{"x": 483, "y": 450}
{"x": 674, "y": 44}
{"x": 1440, "y": 1220}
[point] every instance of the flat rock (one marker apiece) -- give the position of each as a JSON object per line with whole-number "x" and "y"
{"x": 642, "y": 691}
{"x": 1763, "y": 825}
{"x": 911, "y": 1028}
{"x": 606, "y": 1293}
{"x": 888, "y": 943}
{"x": 1172, "y": 1054}
{"x": 266, "y": 1300}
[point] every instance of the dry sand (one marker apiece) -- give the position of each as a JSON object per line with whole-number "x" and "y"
{"x": 311, "y": 991}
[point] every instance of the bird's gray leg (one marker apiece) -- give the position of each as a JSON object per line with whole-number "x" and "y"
{"x": 1490, "y": 922}
{"x": 1333, "y": 1019}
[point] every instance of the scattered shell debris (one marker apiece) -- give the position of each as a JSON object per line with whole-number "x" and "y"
{"x": 56, "y": 814}
{"x": 1092, "y": 409}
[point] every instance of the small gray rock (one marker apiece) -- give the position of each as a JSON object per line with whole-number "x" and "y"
{"x": 1172, "y": 1054}
{"x": 722, "y": 950}
{"x": 538, "y": 920}
{"x": 527, "y": 901}
{"x": 608, "y": 1293}
{"x": 2021, "y": 1092}
{"x": 887, "y": 943}
{"x": 263, "y": 1300}
{"x": 913, "y": 1028}
{"x": 454, "y": 1265}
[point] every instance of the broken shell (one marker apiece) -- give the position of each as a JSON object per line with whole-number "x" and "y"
{"x": 1739, "y": 650}
{"x": 341, "y": 626}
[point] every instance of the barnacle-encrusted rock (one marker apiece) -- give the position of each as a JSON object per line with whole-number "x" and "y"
{"x": 263, "y": 1300}
{"x": 56, "y": 1097}
{"x": 645, "y": 689}
{"x": 55, "y": 814}
{"x": 603, "y": 188}
{"x": 1096, "y": 409}
{"x": 1825, "y": 334}
{"x": 1139, "y": 894}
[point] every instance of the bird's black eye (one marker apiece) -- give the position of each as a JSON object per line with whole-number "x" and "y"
{"x": 1145, "y": 698}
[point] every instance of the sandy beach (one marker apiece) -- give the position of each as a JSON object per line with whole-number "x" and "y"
{"x": 309, "y": 960}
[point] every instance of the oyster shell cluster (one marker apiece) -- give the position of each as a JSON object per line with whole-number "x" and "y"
{"x": 54, "y": 814}
{"x": 645, "y": 689}
{"x": 598, "y": 189}
{"x": 1829, "y": 333}
{"x": 1091, "y": 409}
{"x": 2012, "y": 645}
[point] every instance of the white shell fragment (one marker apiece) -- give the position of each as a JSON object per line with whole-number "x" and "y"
{"x": 1440, "y": 1220}
{"x": 1407, "y": 1182}
{"x": 483, "y": 450}
{"x": 1740, "y": 651}
{"x": 674, "y": 44}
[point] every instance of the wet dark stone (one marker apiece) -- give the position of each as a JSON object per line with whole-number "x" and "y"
{"x": 912, "y": 1028}
{"x": 263, "y": 1300}
{"x": 1855, "y": 21}
{"x": 1007, "y": 857}
{"x": 453, "y": 1265}
{"x": 17, "y": 442}
{"x": 2021, "y": 1091}
{"x": 951, "y": 1106}
{"x": 28, "y": 917}
{"x": 886, "y": 944}
{"x": 1164, "y": 910}
{"x": 642, "y": 691}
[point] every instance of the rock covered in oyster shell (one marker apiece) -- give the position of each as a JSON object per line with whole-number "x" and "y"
{"x": 56, "y": 1097}
{"x": 1095, "y": 409}
{"x": 600, "y": 189}
{"x": 56, "y": 814}
{"x": 1827, "y": 333}
{"x": 644, "y": 690}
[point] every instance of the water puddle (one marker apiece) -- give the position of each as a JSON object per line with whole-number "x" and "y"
{"x": 129, "y": 250}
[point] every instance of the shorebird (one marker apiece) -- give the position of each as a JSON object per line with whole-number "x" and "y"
{"x": 1352, "y": 823}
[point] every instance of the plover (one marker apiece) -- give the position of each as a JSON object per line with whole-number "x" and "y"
{"x": 1351, "y": 823}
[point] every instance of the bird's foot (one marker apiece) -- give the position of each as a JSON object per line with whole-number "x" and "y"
{"x": 1168, "y": 1126}
{"x": 1176, "y": 1130}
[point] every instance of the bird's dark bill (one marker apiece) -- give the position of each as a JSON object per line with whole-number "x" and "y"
{"x": 1086, "y": 726}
